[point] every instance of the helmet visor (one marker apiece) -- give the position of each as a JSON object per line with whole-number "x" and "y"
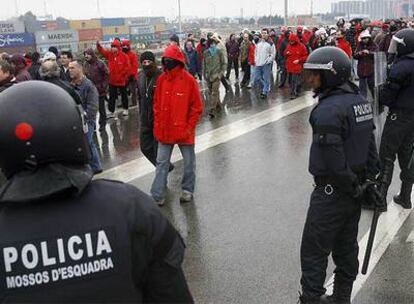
{"x": 395, "y": 41}
{"x": 319, "y": 66}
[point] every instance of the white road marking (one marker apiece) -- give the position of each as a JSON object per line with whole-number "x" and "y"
{"x": 389, "y": 224}
{"x": 410, "y": 238}
{"x": 141, "y": 166}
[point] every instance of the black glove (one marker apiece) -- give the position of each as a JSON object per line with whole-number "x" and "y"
{"x": 361, "y": 190}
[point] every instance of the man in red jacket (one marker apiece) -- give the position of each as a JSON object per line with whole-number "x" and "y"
{"x": 133, "y": 74}
{"x": 296, "y": 55}
{"x": 177, "y": 110}
{"x": 119, "y": 70}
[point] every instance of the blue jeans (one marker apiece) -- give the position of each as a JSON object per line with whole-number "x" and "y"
{"x": 163, "y": 164}
{"x": 252, "y": 76}
{"x": 95, "y": 160}
{"x": 263, "y": 75}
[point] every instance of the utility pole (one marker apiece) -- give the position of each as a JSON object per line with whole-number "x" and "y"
{"x": 45, "y": 7}
{"x": 270, "y": 14}
{"x": 179, "y": 17}
{"x": 311, "y": 11}
{"x": 98, "y": 8}
{"x": 286, "y": 12}
{"x": 16, "y": 6}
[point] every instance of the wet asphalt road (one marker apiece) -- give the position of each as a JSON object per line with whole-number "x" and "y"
{"x": 244, "y": 228}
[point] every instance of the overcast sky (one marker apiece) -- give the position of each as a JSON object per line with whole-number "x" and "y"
{"x": 85, "y": 9}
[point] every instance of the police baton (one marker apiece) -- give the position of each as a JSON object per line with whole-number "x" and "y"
{"x": 371, "y": 239}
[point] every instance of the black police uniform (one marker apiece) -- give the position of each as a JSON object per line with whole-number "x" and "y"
{"x": 110, "y": 244}
{"x": 398, "y": 134}
{"x": 146, "y": 89}
{"x": 65, "y": 238}
{"x": 342, "y": 156}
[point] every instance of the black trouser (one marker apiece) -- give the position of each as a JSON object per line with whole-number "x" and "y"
{"x": 233, "y": 62}
{"x": 102, "y": 111}
{"x": 225, "y": 83}
{"x": 294, "y": 84}
{"x": 149, "y": 146}
{"x": 397, "y": 140}
{"x": 283, "y": 73}
{"x": 132, "y": 86}
{"x": 113, "y": 96}
{"x": 246, "y": 72}
{"x": 331, "y": 227}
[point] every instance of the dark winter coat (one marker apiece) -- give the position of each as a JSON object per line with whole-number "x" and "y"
{"x": 192, "y": 61}
{"x": 366, "y": 61}
{"x": 97, "y": 71}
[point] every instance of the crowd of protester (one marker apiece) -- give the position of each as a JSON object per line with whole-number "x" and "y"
{"x": 211, "y": 58}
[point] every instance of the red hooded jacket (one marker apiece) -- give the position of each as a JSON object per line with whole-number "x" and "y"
{"x": 295, "y": 52}
{"x": 251, "y": 59}
{"x": 177, "y": 103}
{"x": 345, "y": 46}
{"x": 118, "y": 63}
{"x": 133, "y": 59}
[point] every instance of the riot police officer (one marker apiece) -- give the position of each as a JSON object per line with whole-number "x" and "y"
{"x": 398, "y": 135}
{"x": 71, "y": 239}
{"x": 343, "y": 159}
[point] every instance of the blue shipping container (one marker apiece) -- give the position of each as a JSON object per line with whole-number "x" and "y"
{"x": 112, "y": 22}
{"x": 112, "y": 37}
{"x": 16, "y": 40}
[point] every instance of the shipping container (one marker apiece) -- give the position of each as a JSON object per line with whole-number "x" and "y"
{"x": 112, "y": 37}
{"x": 19, "y": 50}
{"x": 12, "y": 27}
{"x": 51, "y": 37}
{"x": 142, "y": 29}
{"x": 92, "y": 34}
{"x": 145, "y": 38}
{"x": 85, "y": 24}
{"x": 160, "y": 27}
{"x": 112, "y": 22}
{"x": 62, "y": 46}
{"x": 48, "y": 25}
{"x": 115, "y": 30}
{"x": 83, "y": 45}
{"x": 16, "y": 40}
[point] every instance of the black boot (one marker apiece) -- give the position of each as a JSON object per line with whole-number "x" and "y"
{"x": 308, "y": 300}
{"x": 341, "y": 294}
{"x": 404, "y": 197}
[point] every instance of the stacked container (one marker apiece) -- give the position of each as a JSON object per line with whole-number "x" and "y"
{"x": 64, "y": 40}
{"x": 13, "y": 38}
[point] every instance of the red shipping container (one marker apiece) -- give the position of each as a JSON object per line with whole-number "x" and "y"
{"x": 92, "y": 34}
{"x": 52, "y": 26}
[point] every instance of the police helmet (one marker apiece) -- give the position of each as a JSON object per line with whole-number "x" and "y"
{"x": 40, "y": 124}
{"x": 333, "y": 64}
{"x": 402, "y": 43}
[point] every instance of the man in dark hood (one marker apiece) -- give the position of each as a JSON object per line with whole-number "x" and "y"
{"x": 19, "y": 67}
{"x": 147, "y": 82}
{"x": 34, "y": 69}
{"x": 97, "y": 71}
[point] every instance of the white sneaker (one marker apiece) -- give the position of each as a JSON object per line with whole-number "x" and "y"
{"x": 186, "y": 197}
{"x": 125, "y": 113}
